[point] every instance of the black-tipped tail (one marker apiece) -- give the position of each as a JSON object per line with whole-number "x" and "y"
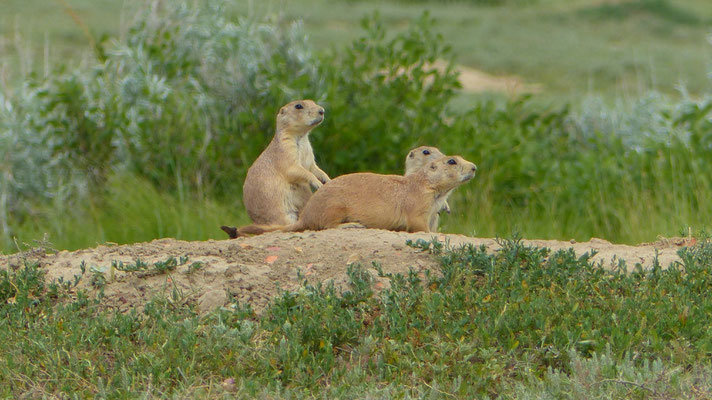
{"x": 230, "y": 230}
{"x": 258, "y": 229}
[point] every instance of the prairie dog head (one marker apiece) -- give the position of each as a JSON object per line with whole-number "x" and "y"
{"x": 448, "y": 172}
{"x": 299, "y": 117}
{"x": 419, "y": 156}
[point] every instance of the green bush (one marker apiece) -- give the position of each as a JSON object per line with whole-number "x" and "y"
{"x": 662, "y": 9}
{"x": 471, "y": 2}
{"x": 199, "y": 93}
{"x": 190, "y": 98}
{"x": 384, "y": 96}
{"x": 187, "y": 101}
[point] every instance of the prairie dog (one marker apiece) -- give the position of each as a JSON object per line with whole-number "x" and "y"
{"x": 279, "y": 182}
{"x": 393, "y": 202}
{"x": 419, "y": 156}
{"x": 416, "y": 159}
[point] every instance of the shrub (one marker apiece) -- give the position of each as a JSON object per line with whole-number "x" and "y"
{"x": 187, "y": 101}
{"x": 199, "y": 92}
{"x": 384, "y": 97}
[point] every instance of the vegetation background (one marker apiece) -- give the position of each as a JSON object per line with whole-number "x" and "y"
{"x": 127, "y": 121}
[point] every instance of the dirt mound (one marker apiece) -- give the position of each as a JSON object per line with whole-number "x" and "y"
{"x": 252, "y": 270}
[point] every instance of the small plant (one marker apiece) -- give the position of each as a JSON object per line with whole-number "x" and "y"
{"x": 159, "y": 267}
{"x": 59, "y": 287}
{"x": 433, "y": 246}
{"x": 195, "y": 267}
{"x": 169, "y": 264}
{"x": 98, "y": 280}
{"x": 137, "y": 266}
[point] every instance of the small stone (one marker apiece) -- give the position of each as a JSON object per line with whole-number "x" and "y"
{"x": 211, "y": 300}
{"x": 599, "y": 241}
{"x": 228, "y": 384}
{"x": 14, "y": 262}
{"x": 355, "y": 258}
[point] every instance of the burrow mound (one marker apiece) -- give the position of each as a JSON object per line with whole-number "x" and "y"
{"x": 253, "y": 270}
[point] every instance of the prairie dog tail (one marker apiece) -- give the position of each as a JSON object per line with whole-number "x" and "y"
{"x": 259, "y": 229}
{"x": 230, "y": 230}
{"x": 256, "y": 229}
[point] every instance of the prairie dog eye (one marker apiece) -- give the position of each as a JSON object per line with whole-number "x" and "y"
{"x": 298, "y": 106}
{"x": 426, "y": 152}
{"x": 452, "y": 161}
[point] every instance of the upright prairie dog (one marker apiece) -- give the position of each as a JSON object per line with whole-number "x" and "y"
{"x": 417, "y": 159}
{"x": 279, "y": 182}
{"x": 394, "y": 202}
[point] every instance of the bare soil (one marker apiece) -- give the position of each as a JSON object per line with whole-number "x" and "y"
{"x": 253, "y": 270}
{"x": 476, "y": 81}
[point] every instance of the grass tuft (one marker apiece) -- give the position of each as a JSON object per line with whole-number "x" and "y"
{"x": 522, "y": 323}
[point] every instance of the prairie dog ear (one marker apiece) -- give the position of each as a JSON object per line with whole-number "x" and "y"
{"x": 282, "y": 110}
{"x": 411, "y": 155}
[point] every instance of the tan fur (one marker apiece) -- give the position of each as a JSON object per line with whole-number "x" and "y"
{"x": 394, "y": 202}
{"x": 279, "y": 182}
{"x": 416, "y": 159}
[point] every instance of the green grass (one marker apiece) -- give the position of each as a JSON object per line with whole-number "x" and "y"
{"x": 572, "y": 48}
{"x": 522, "y": 323}
{"x": 169, "y": 106}
{"x": 132, "y": 211}
{"x": 37, "y": 36}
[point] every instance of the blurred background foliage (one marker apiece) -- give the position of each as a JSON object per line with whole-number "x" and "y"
{"x": 150, "y": 133}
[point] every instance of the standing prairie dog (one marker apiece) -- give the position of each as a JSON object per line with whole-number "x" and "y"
{"x": 417, "y": 159}
{"x": 394, "y": 202}
{"x": 279, "y": 182}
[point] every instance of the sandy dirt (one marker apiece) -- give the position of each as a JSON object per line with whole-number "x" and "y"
{"x": 252, "y": 270}
{"x": 476, "y": 81}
